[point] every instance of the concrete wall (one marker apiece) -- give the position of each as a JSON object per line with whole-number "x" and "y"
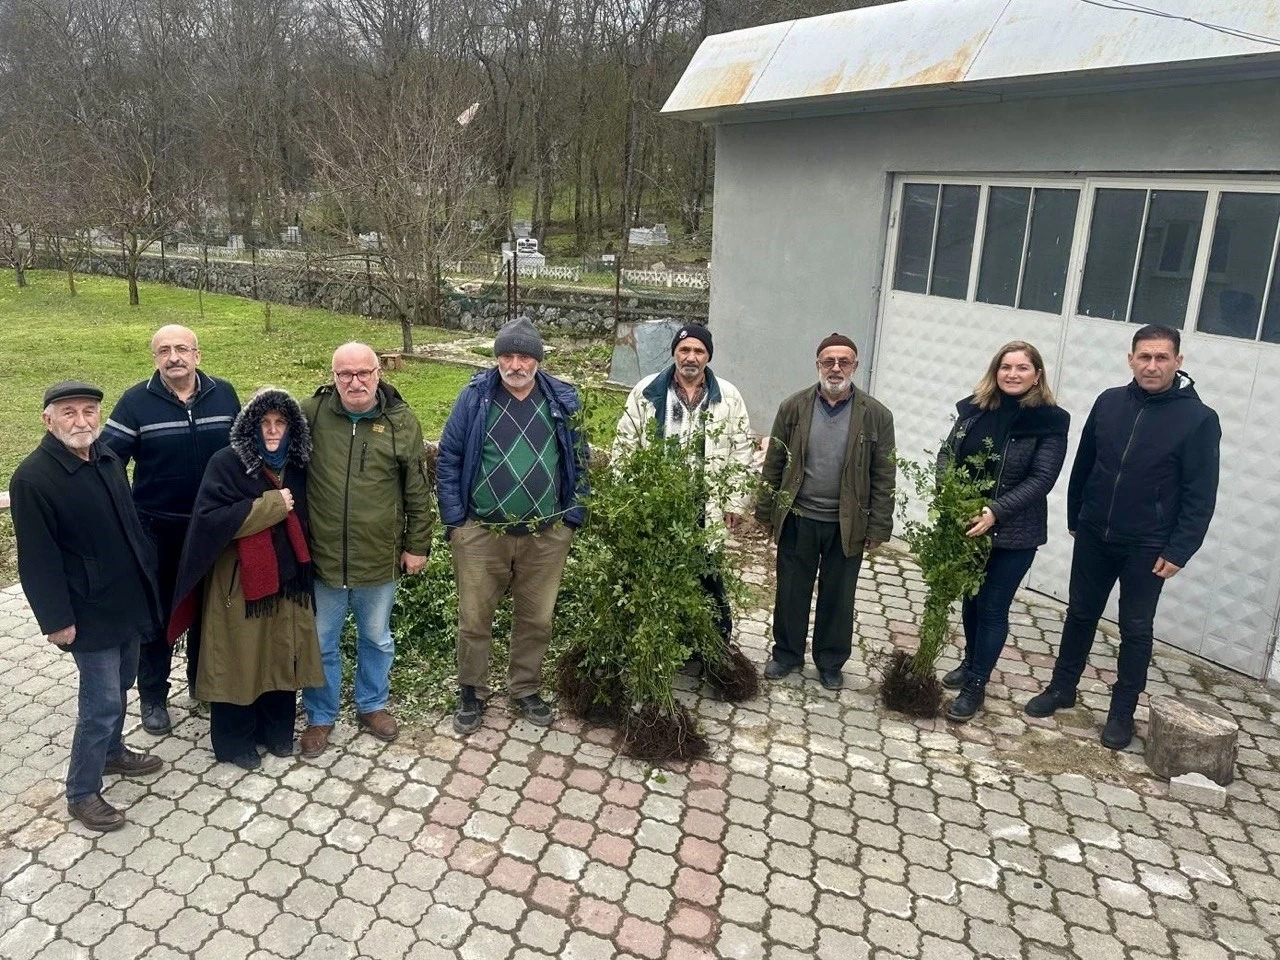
{"x": 802, "y": 206}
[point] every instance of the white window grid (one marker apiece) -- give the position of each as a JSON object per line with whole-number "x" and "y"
{"x": 1213, "y": 186}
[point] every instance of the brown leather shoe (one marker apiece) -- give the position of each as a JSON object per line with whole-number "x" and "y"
{"x": 96, "y": 814}
{"x": 314, "y": 739}
{"x": 380, "y": 723}
{"x": 130, "y": 763}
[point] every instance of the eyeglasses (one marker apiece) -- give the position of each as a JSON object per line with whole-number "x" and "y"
{"x": 177, "y": 350}
{"x": 346, "y": 376}
{"x": 832, "y": 364}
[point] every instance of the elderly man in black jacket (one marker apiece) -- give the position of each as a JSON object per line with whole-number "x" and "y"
{"x": 1139, "y": 502}
{"x": 88, "y": 571}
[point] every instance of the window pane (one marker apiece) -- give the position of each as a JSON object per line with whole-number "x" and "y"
{"x": 1002, "y": 244}
{"x": 1243, "y": 237}
{"x": 1168, "y": 257}
{"x": 1113, "y": 243}
{"x": 915, "y": 238}
{"x": 1053, "y": 221}
{"x": 954, "y": 249}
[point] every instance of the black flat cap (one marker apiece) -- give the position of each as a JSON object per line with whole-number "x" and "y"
{"x": 72, "y": 390}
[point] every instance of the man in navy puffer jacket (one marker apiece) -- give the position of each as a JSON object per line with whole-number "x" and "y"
{"x": 1139, "y": 502}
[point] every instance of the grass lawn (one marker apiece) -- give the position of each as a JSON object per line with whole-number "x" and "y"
{"x": 47, "y": 335}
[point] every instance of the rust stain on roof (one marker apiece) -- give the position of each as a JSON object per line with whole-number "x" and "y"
{"x": 950, "y": 70}
{"x": 729, "y": 84}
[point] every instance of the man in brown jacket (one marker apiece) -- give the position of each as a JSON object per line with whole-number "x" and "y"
{"x": 827, "y": 495}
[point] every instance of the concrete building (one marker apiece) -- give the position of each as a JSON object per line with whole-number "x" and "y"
{"x": 937, "y": 177}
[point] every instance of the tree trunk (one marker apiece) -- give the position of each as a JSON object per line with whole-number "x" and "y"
{"x": 131, "y": 268}
{"x": 20, "y": 270}
{"x": 1191, "y": 736}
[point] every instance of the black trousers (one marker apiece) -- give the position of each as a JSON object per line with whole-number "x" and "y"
{"x": 809, "y": 550}
{"x": 713, "y": 587}
{"x": 155, "y": 657}
{"x": 1095, "y": 567}
{"x": 986, "y": 614}
{"x": 237, "y": 730}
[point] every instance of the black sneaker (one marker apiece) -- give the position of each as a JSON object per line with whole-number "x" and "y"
{"x": 284, "y": 749}
{"x": 773, "y": 670}
{"x": 831, "y": 679}
{"x": 155, "y": 719}
{"x": 534, "y": 709}
{"x": 1118, "y": 731}
{"x": 470, "y": 712}
{"x": 968, "y": 703}
{"x": 954, "y": 679}
{"x": 1045, "y": 704}
{"x": 249, "y": 760}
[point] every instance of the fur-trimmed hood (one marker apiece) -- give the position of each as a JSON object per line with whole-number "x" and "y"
{"x": 248, "y": 427}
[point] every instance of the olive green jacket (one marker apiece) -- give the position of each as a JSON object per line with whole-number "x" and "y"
{"x": 367, "y": 489}
{"x": 866, "y": 483}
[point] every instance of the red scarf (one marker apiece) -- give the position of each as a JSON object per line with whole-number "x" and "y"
{"x": 259, "y": 569}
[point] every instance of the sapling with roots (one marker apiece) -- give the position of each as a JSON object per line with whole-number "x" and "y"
{"x": 639, "y": 610}
{"x": 952, "y": 564}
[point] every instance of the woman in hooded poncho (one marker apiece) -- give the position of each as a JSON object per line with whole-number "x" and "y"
{"x": 246, "y": 563}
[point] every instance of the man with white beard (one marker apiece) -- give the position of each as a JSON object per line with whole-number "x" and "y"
{"x": 511, "y": 479}
{"x": 88, "y": 570}
{"x": 829, "y": 477}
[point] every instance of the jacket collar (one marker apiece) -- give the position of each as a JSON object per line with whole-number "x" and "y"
{"x": 68, "y": 460}
{"x": 157, "y": 386}
{"x": 1183, "y": 388}
{"x": 656, "y": 392}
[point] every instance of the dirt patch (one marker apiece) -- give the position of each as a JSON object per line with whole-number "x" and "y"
{"x": 1048, "y": 754}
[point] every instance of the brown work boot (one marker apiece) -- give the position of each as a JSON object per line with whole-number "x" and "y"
{"x": 315, "y": 738}
{"x": 96, "y": 814}
{"x": 380, "y": 723}
{"x": 130, "y": 763}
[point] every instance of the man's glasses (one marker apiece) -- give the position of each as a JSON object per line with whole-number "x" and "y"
{"x": 832, "y": 364}
{"x": 177, "y": 350}
{"x": 346, "y": 376}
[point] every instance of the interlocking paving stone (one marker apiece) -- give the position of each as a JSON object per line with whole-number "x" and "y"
{"x": 821, "y": 826}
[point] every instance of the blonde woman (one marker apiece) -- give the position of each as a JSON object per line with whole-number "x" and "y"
{"x": 1013, "y": 408}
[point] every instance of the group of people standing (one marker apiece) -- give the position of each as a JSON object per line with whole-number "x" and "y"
{"x": 254, "y": 531}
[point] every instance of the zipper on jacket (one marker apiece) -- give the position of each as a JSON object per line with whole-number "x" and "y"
{"x": 346, "y": 504}
{"x": 231, "y": 587}
{"x": 995, "y": 491}
{"x": 364, "y": 450}
{"x": 1115, "y": 486}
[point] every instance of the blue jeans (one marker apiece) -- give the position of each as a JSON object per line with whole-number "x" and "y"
{"x": 986, "y": 613}
{"x": 105, "y": 679}
{"x": 374, "y": 649}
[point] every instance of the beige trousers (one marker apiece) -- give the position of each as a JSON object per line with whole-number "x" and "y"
{"x": 485, "y": 565}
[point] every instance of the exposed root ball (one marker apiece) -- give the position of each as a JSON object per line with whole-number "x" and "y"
{"x": 657, "y": 736}
{"x": 734, "y": 677}
{"x": 585, "y": 695}
{"x": 906, "y": 691}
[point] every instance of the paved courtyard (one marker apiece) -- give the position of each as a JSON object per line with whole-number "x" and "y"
{"x": 822, "y": 827}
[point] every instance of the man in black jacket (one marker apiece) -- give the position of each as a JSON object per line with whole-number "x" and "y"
{"x": 1141, "y": 496}
{"x": 88, "y": 570}
{"x": 169, "y": 425}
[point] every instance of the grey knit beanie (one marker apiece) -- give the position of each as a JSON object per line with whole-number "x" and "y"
{"x": 519, "y": 336}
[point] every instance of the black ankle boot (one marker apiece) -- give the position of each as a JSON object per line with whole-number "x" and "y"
{"x": 969, "y": 702}
{"x": 954, "y": 679}
{"x": 1117, "y": 733}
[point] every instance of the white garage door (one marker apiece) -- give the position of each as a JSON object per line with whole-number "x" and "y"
{"x": 1073, "y": 266}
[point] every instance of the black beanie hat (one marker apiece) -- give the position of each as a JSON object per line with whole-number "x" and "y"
{"x": 519, "y": 336}
{"x": 698, "y": 332}
{"x": 837, "y": 340}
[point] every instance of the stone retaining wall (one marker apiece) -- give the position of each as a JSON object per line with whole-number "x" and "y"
{"x": 482, "y": 310}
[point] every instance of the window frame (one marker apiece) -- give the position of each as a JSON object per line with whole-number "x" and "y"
{"x": 1088, "y": 185}
{"x": 985, "y": 183}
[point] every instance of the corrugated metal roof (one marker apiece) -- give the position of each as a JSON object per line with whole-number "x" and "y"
{"x": 941, "y": 50}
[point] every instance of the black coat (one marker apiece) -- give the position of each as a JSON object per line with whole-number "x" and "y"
{"x": 1146, "y": 471}
{"x": 169, "y": 442}
{"x": 1030, "y": 461}
{"x": 83, "y": 556}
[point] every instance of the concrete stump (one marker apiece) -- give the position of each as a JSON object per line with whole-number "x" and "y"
{"x": 1191, "y": 736}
